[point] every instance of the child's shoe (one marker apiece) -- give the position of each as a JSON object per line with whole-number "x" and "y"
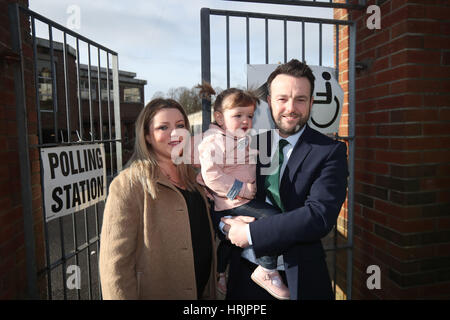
{"x": 271, "y": 282}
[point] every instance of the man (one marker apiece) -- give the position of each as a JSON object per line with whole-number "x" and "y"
{"x": 310, "y": 189}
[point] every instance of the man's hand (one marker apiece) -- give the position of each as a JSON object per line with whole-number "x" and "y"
{"x": 236, "y": 230}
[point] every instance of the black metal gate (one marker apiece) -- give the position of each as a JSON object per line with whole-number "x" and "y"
{"x": 76, "y": 104}
{"x": 332, "y": 243}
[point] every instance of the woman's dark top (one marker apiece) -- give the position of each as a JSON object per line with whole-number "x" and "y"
{"x": 201, "y": 238}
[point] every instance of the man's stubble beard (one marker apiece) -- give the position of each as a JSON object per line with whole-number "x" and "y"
{"x": 301, "y": 123}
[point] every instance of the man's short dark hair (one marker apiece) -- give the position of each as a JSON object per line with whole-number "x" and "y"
{"x": 293, "y": 68}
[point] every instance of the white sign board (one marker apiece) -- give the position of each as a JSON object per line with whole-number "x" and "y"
{"x": 328, "y": 98}
{"x": 74, "y": 178}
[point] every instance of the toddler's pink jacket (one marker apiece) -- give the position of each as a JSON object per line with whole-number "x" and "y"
{"x": 228, "y": 168}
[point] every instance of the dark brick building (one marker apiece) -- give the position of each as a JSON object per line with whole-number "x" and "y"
{"x": 131, "y": 98}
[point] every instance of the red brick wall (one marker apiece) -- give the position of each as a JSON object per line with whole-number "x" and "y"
{"x": 343, "y": 125}
{"x": 402, "y": 156}
{"x": 341, "y": 262}
{"x": 12, "y": 249}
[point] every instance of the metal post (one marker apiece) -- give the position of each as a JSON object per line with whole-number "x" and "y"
{"x": 97, "y": 229}
{"x": 285, "y": 39}
{"x": 54, "y": 85}
{"x": 247, "y": 37}
{"x": 63, "y": 256}
{"x": 303, "y": 41}
{"x": 227, "y": 22}
{"x": 80, "y": 108}
{"x": 36, "y": 79}
{"x": 24, "y": 157}
{"x": 75, "y": 245}
{"x": 206, "y": 64}
{"x": 312, "y": 3}
{"x": 337, "y": 52}
{"x": 88, "y": 256}
{"x": 66, "y": 87}
{"x": 118, "y": 133}
{"x": 351, "y": 133}
{"x": 91, "y": 116}
{"x": 108, "y": 90}
{"x": 320, "y": 44}
{"x": 266, "y": 25}
{"x": 99, "y": 87}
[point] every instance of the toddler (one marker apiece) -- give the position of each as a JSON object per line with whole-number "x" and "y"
{"x": 228, "y": 172}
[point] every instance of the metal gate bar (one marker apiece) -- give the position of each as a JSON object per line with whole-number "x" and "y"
{"x": 303, "y": 42}
{"x": 66, "y": 253}
{"x": 313, "y": 3}
{"x": 267, "y": 39}
{"x": 351, "y": 154}
{"x": 206, "y": 63}
{"x": 206, "y": 105}
{"x": 24, "y": 156}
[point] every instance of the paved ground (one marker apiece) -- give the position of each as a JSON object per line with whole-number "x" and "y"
{"x": 86, "y": 259}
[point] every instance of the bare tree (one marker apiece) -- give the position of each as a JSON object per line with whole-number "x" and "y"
{"x": 158, "y": 94}
{"x": 188, "y": 98}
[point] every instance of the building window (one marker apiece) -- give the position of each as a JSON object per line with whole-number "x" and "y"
{"x": 105, "y": 91}
{"x": 131, "y": 94}
{"x": 45, "y": 87}
{"x": 84, "y": 86}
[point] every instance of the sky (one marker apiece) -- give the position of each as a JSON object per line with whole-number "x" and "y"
{"x": 159, "y": 40}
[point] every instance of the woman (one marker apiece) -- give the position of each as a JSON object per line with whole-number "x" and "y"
{"x": 157, "y": 237}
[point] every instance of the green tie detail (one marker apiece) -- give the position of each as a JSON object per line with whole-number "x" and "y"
{"x": 272, "y": 182}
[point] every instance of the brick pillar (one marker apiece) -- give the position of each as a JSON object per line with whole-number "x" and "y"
{"x": 341, "y": 259}
{"x": 12, "y": 248}
{"x": 402, "y": 165}
{"x": 340, "y": 14}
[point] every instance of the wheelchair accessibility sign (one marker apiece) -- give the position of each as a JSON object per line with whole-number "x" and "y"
{"x": 328, "y": 98}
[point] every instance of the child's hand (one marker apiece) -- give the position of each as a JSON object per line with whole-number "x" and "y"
{"x": 248, "y": 190}
{"x": 252, "y": 188}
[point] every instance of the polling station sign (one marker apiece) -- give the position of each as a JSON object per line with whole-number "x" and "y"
{"x": 74, "y": 178}
{"x": 328, "y": 98}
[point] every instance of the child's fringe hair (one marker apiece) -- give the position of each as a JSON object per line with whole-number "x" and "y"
{"x": 229, "y": 98}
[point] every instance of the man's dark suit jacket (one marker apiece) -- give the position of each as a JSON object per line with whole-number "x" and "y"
{"x": 313, "y": 188}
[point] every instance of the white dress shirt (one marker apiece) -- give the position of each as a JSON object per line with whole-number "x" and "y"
{"x": 248, "y": 252}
